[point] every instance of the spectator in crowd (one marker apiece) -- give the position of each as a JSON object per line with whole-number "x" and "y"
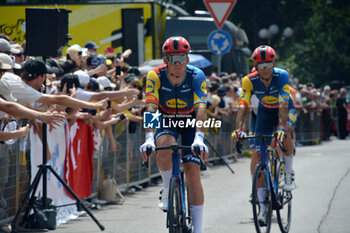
{"x": 327, "y": 117}
{"x": 223, "y": 106}
{"x": 91, "y": 48}
{"x": 5, "y": 47}
{"x": 19, "y": 57}
{"x": 333, "y": 98}
{"x": 342, "y": 109}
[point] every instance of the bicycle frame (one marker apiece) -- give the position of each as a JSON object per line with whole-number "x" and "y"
{"x": 179, "y": 174}
{"x": 263, "y": 160}
{"x": 270, "y": 181}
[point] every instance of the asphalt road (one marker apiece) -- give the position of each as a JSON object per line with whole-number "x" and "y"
{"x": 321, "y": 202}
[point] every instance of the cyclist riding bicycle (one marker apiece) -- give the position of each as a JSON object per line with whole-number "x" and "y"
{"x": 178, "y": 91}
{"x": 270, "y": 85}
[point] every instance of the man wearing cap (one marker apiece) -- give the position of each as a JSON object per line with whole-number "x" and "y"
{"x": 74, "y": 53}
{"x": 92, "y": 47}
{"x": 8, "y": 63}
{"x": 27, "y": 89}
{"x": 8, "y": 105}
{"x": 5, "y": 47}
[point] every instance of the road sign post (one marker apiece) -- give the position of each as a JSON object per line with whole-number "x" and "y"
{"x": 219, "y": 10}
{"x": 219, "y": 42}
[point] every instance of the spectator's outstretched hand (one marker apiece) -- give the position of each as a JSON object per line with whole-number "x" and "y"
{"x": 102, "y": 104}
{"x": 131, "y": 93}
{"x": 24, "y": 130}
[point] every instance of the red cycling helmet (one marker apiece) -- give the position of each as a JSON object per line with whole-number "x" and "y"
{"x": 263, "y": 53}
{"x": 176, "y": 44}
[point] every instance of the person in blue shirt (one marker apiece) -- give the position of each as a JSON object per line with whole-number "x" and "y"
{"x": 178, "y": 90}
{"x": 276, "y": 111}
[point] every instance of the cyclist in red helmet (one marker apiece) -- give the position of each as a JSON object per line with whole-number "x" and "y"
{"x": 275, "y": 108}
{"x": 177, "y": 91}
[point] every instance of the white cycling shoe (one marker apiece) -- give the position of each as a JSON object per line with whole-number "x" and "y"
{"x": 163, "y": 199}
{"x": 262, "y": 217}
{"x": 289, "y": 184}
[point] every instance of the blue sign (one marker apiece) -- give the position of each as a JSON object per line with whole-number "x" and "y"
{"x": 152, "y": 120}
{"x": 219, "y": 42}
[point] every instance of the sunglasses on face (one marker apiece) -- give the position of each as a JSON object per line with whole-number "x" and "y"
{"x": 182, "y": 59}
{"x": 264, "y": 65}
{"x": 19, "y": 54}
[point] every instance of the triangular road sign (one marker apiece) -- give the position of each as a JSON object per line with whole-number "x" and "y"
{"x": 220, "y": 10}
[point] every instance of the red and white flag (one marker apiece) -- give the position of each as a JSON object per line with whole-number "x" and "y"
{"x": 79, "y": 162}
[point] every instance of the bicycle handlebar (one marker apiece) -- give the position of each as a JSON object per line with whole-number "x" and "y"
{"x": 175, "y": 147}
{"x": 239, "y": 144}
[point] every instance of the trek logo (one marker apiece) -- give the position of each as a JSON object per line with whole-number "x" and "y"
{"x": 152, "y": 120}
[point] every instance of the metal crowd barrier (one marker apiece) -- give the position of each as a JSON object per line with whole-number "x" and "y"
{"x": 125, "y": 165}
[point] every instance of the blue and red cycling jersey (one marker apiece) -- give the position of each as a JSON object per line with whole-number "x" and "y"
{"x": 269, "y": 97}
{"x": 178, "y": 99}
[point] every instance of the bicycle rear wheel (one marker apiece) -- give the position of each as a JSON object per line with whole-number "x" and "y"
{"x": 260, "y": 181}
{"x": 175, "y": 213}
{"x": 284, "y": 199}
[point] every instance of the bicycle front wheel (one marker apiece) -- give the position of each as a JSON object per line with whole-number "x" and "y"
{"x": 175, "y": 213}
{"x": 260, "y": 181}
{"x": 284, "y": 199}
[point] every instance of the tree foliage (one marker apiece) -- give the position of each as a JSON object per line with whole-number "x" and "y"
{"x": 322, "y": 51}
{"x": 318, "y": 51}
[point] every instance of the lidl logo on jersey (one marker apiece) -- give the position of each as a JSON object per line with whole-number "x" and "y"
{"x": 152, "y": 120}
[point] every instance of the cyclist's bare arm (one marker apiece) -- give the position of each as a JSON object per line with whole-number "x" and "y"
{"x": 201, "y": 115}
{"x": 283, "y": 113}
{"x": 243, "y": 108}
{"x": 242, "y": 117}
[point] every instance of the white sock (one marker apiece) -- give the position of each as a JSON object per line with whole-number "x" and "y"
{"x": 288, "y": 163}
{"x": 166, "y": 175}
{"x": 261, "y": 198}
{"x": 197, "y": 213}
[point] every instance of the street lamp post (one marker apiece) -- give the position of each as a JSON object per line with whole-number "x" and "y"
{"x": 272, "y": 32}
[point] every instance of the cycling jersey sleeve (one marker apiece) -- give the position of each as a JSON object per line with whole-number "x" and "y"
{"x": 152, "y": 89}
{"x": 246, "y": 93}
{"x": 284, "y": 92}
{"x": 199, "y": 86}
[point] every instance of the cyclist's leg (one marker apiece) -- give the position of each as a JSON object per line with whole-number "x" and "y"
{"x": 255, "y": 156}
{"x": 165, "y": 137}
{"x": 192, "y": 172}
{"x": 288, "y": 159}
{"x": 288, "y": 142}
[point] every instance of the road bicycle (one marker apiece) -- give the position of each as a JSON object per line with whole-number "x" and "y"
{"x": 269, "y": 173}
{"x": 179, "y": 218}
